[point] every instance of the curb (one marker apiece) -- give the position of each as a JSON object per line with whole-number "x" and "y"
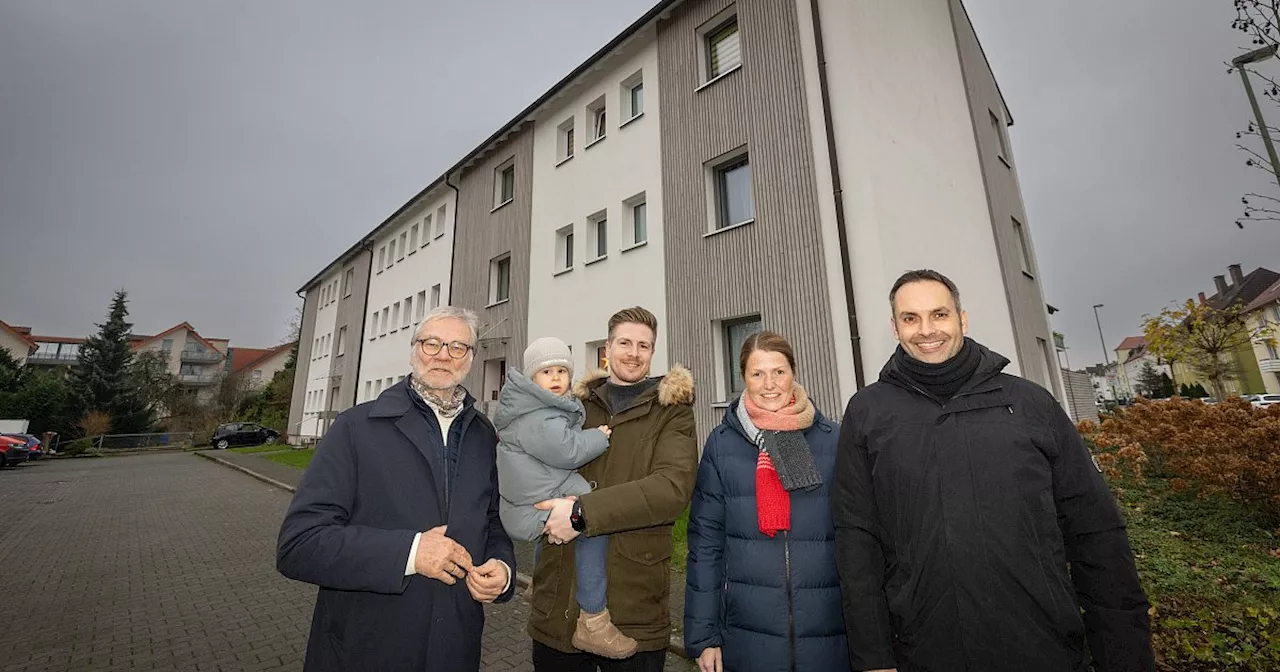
{"x": 674, "y": 645}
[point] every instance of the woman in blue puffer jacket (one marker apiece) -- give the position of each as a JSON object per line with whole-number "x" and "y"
{"x": 762, "y": 591}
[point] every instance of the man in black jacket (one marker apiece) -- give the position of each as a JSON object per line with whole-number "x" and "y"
{"x": 962, "y": 494}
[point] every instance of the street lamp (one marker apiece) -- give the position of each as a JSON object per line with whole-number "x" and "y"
{"x": 1103, "y": 341}
{"x": 1239, "y": 62}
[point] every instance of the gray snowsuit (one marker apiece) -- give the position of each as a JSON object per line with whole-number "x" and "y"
{"x": 540, "y": 445}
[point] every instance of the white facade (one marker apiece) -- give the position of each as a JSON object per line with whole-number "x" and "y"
{"x": 412, "y": 264}
{"x": 17, "y": 346}
{"x": 318, "y": 366}
{"x": 1130, "y": 378}
{"x": 605, "y": 178}
{"x": 914, "y": 195}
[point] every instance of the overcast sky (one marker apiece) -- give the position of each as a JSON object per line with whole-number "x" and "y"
{"x": 211, "y": 157}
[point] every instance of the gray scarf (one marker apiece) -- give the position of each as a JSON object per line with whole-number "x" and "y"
{"x": 445, "y": 408}
{"x": 789, "y": 452}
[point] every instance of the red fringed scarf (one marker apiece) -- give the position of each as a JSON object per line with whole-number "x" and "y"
{"x": 773, "y": 504}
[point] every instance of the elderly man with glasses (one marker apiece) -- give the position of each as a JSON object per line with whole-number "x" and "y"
{"x": 396, "y": 519}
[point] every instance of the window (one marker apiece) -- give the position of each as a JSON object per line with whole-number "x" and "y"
{"x": 597, "y": 237}
{"x": 324, "y": 296}
{"x": 500, "y": 279}
{"x": 564, "y": 249}
{"x": 426, "y": 230}
{"x": 564, "y": 150}
{"x": 382, "y": 258}
{"x": 391, "y": 252}
{"x": 408, "y": 306}
{"x": 421, "y": 306}
{"x": 368, "y": 390}
{"x": 724, "y": 53}
{"x": 636, "y": 213}
{"x": 731, "y": 181}
{"x": 435, "y": 297}
{"x": 166, "y": 346}
{"x": 998, "y": 128}
{"x": 386, "y": 322}
{"x": 413, "y": 239}
{"x": 596, "y": 115}
{"x": 378, "y": 386}
{"x": 632, "y": 97}
{"x": 373, "y": 325}
{"x": 348, "y": 282}
{"x": 735, "y": 334}
{"x": 402, "y": 247}
{"x": 395, "y": 317}
{"x": 1024, "y": 246}
{"x": 440, "y": 212}
{"x": 342, "y": 341}
{"x": 504, "y": 184}
{"x": 1048, "y": 365}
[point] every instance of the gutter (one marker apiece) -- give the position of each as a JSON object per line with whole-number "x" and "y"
{"x": 855, "y": 340}
{"x": 453, "y": 244}
{"x": 364, "y": 310}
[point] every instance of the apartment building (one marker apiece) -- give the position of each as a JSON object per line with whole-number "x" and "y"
{"x": 732, "y": 166}
{"x": 1263, "y": 322}
{"x": 257, "y": 365}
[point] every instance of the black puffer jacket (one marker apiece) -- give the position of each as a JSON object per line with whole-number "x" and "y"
{"x": 955, "y": 524}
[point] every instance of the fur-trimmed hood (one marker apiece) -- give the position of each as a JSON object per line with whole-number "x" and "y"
{"x": 675, "y": 388}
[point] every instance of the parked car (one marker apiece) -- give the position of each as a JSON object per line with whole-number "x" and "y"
{"x": 242, "y": 434}
{"x": 35, "y": 447}
{"x": 12, "y": 451}
{"x": 1264, "y": 400}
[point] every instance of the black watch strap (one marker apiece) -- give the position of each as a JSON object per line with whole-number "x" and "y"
{"x": 576, "y": 518}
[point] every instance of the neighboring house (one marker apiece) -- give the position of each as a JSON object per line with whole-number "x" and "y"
{"x": 258, "y": 365}
{"x": 1263, "y": 315}
{"x": 1132, "y": 356}
{"x": 16, "y": 341}
{"x": 198, "y": 363}
{"x": 731, "y": 167}
{"x": 1236, "y": 289}
{"x": 1103, "y": 378}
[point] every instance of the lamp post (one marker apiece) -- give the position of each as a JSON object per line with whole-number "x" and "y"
{"x": 1106, "y": 361}
{"x": 1239, "y": 62}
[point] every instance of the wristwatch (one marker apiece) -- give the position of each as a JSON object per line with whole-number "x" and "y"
{"x": 576, "y": 518}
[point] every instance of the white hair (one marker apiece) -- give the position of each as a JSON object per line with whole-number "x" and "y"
{"x": 468, "y": 316}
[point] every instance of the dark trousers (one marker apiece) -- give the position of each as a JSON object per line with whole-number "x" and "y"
{"x": 547, "y": 659}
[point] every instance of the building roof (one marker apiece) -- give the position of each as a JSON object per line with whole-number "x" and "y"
{"x": 243, "y": 359}
{"x": 1245, "y": 293}
{"x": 143, "y": 340}
{"x": 16, "y": 331}
{"x": 1268, "y": 296}
{"x": 1132, "y": 342}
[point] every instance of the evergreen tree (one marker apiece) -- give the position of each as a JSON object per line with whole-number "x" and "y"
{"x": 102, "y": 380}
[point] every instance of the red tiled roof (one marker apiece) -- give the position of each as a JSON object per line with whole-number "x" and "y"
{"x": 247, "y": 358}
{"x": 1131, "y": 343}
{"x": 21, "y": 336}
{"x": 56, "y": 339}
{"x": 181, "y": 325}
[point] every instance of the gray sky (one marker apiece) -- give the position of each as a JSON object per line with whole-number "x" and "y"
{"x": 211, "y": 157}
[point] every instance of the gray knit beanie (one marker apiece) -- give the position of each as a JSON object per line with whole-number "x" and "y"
{"x": 546, "y": 352}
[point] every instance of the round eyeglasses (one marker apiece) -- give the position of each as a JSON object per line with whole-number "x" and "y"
{"x": 432, "y": 346}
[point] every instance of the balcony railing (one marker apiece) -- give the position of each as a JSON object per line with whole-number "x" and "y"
{"x": 198, "y": 378}
{"x": 1269, "y": 365}
{"x": 52, "y": 358}
{"x": 198, "y": 356}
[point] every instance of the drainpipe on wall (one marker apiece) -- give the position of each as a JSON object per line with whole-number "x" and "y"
{"x": 855, "y": 340}
{"x": 453, "y": 245}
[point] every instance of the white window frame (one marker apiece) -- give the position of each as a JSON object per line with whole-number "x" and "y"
{"x": 707, "y": 34}
{"x": 598, "y": 119}
{"x": 495, "y": 269}
{"x": 382, "y": 258}
{"x": 629, "y": 220}
{"x": 391, "y": 252}
{"x": 395, "y": 317}
{"x": 1002, "y": 140}
{"x": 499, "y": 176}
{"x": 413, "y": 238}
{"x": 348, "y": 279}
{"x": 405, "y": 316}
{"x": 373, "y": 325}
{"x": 627, "y": 99}
{"x": 597, "y": 222}
{"x": 565, "y": 139}
{"x": 717, "y": 218}
{"x": 1024, "y": 248}
{"x": 386, "y": 320}
{"x": 435, "y": 296}
{"x": 564, "y": 253}
{"x": 441, "y": 213}
{"x": 426, "y": 230}
{"x": 420, "y": 307}
{"x": 368, "y": 390}
{"x": 403, "y": 237}
{"x": 342, "y": 341}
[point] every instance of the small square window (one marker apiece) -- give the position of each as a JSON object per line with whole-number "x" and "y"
{"x": 730, "y": 183}
{"x": 734, "y": 334}
{"x": 504, "y": 184}
{"x": 632, "y": 97}
{"x": 500, "y": 279}
{"x": 723, "y": 48}
{"x": 435, "y": 297}
{"x": 373, "y": 325}
{"x": 1024, "y": 246}
{"x": 395, "y": 317}
{"x": 564, "y": 249}
{"x": 421, "y": 306}
{"x": 597, "y": 237}
{"x": 442, "y": 210}
{"x": 426, "y": 230}
{"x": 564, "y": 150}
{"x": 382, "y": 258}
{"x": 636, "y": 212}
{"x": 391, "y": 252}
{"x": 413, "y": 239}
{"x": 597, "y": 118}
